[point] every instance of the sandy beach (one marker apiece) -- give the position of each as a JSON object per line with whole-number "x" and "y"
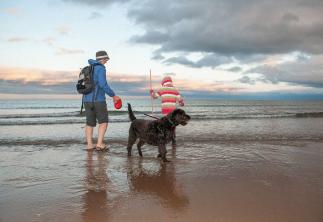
{"x": 206, "y": 181}
{"x": 224, "y": 169}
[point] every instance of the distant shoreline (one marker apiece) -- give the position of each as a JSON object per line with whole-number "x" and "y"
{"x": 187, "y": 96}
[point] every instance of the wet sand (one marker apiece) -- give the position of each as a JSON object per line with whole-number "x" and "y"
{"x": 206, "y": 181}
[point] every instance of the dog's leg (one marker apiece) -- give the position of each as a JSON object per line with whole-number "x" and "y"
{"x": 163, "y": 152}
{"x": 174, "y": 139}
{"x": 159, "y": 152}
{"x": 139, "y": 145}
{"x": 131, "y": 139}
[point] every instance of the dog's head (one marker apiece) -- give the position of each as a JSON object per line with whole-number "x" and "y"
{"x": 178, "y": 116}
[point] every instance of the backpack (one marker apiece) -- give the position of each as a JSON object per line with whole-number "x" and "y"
{"x": 85, "y": 83}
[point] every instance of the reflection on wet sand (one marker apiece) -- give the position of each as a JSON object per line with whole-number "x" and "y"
{"x": 96, "y": 197}
{"x": 152, "y": 180}
{"x": 159, "y": 183}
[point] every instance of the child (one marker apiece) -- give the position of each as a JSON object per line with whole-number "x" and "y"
{"x": 169, "y": 96}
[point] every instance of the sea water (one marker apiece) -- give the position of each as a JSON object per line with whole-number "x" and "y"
{"x": 59, "y": 120}
{"x": 234, "y": 161}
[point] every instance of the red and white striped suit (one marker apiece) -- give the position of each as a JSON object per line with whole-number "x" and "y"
{"x": 169, "y": 95}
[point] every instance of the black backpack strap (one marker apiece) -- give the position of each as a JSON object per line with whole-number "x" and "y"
{"x": 82, "y": 104}
{"x": 93, "y": 83}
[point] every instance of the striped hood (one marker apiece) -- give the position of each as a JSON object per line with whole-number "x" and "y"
{"x": 167, "y": 81}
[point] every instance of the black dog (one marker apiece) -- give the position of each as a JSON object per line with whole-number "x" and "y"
{"x": 155, "y": 132}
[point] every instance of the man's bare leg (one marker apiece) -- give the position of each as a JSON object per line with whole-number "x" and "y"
{"x": 101, "y": 132}
{"x": 89, "y": 137}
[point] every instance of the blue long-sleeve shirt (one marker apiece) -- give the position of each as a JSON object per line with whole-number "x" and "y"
{"x": 101, "y": 85}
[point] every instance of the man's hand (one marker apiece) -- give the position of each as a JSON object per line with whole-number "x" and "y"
{"x": 115, "y": 99}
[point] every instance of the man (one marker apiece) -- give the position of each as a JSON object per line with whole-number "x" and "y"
{"x": 95, "y": 102}
{"x": 169, "y": 96}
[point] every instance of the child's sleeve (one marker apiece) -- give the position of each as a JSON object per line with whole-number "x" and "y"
{"x": 180, "y": 99}
{"x": 154, "y": 94}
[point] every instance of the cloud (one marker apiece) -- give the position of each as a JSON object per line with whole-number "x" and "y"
{"x": 96, "y": 3}
{"x": 12, "y": 10}
{"x": 18, "y": 87}
{"x": 247, "y": 80}
{"x": 63, "y": 30}
{"x": 230, "y": 28}
{"x": 49, "y": 41}
{"x": 95, "y": 15}
{"x": 235, "y": 69}
{"x": 64, "y": 51}
{"x": 36, "y": 76}
{"x": 19, "y": 80}
{"x": 17, "y": 39}
{"x": 210, "y": 60}
{"x": 305, "y": 72}
{"x": 245, "y": 30}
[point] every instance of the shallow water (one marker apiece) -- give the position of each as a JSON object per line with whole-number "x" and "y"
{"x": 244, "y": 181}
{"x": 224, "y": 169}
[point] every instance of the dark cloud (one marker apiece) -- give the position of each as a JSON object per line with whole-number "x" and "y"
{"x": 210, "y": 60}
{"x": 230, "y": 28}
{"x": 18, "y": 86}
{"x": 247, "y": 79}
{"x": 243, "y": 29}
{"x": 307, "y": 72}
{"x": 157, "y": 56}
{"x": 96, "y": 3}
{"x": 229, "y": 31}
{"x": 234, "y": 69}
{"x": 151, "y": 37}
{"x": 180, "y": 60}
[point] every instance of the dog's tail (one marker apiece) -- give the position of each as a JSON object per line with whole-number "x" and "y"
{"x": 131, "y": 115}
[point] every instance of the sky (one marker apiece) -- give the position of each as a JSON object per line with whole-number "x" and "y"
{"x": 212, "y": 48}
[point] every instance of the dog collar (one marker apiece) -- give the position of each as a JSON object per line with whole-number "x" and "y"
{"x": 171, "y": 122}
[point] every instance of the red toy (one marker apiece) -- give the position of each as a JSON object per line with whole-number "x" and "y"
{"x": 118, "y": 104}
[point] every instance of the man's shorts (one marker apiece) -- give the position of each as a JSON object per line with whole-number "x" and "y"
{"x": 96, "y": 111}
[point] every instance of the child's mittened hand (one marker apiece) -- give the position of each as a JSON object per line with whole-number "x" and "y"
{"x": 181, "y": 102}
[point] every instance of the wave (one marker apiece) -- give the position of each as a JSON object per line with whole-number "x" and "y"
{"x": 62, "y": 114}
{"x": 261, "y": 116}
{"x": 55, "y": 122}
{"x": 312, "y": 114}
{"x": 183, "y": 139}
{"x": 42, "y": 107}
{"x": 42, "y": 115}
{"x": 122, "y": 116}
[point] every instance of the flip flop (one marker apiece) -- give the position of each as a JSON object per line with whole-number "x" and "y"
{"x": 99, "y": 148}
{"x": 90, "y": 149}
